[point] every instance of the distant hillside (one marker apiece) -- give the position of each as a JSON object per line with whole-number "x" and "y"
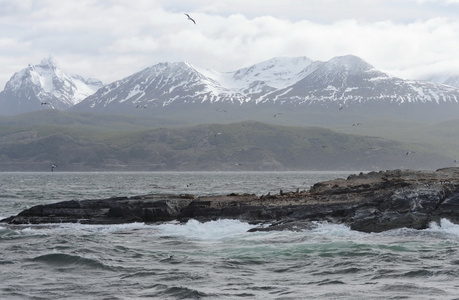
{"x": 231, "y": 147}
{"x": 83, "y": 121}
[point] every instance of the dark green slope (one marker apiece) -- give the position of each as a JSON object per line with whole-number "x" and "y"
{"x": 79, "y": 146}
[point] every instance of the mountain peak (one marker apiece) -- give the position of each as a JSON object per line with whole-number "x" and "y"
{"x": 350, "y": 63}
{"x": 49, "y": 61}
{"x": 276, "y": 72}
{"x": 45, "y": 83}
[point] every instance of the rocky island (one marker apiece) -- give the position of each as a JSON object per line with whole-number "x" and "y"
{"x": 370, "y": 202}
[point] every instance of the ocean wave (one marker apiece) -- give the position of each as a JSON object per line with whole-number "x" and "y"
{"x": 16, "y": 232}
{"x": 212, "y": 230}
{"x": 67, "y": 260}
{"x": 82, "y": 228}
{"x": 336, "y": 230}
{"x": 445, "y": 226}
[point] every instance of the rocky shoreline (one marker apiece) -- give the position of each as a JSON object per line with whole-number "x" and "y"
{"x": 370, "y": 202}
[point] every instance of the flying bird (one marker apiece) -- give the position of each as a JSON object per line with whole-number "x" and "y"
{"x": 409, "y": 152}
{"x": 189, "y": 18}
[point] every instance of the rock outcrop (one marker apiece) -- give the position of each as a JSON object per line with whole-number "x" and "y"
{"x": 371, "y": 202}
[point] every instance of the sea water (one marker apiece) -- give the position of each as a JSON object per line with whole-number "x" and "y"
{"x": 213, "y": 260}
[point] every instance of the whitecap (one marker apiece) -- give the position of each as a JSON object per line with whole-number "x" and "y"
{"x": 337, "y": 230}
{"x": 84, "y": 228}
{"x": 212, "y": 230}
{"x": 445, "y": 226}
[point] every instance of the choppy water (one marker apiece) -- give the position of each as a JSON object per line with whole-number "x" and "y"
{"x": 214, "y": 260}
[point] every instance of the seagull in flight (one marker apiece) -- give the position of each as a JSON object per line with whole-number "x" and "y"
{"x": 189, "y": 18}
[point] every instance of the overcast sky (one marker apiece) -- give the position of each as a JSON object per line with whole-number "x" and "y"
{"x": 112, "y": 39}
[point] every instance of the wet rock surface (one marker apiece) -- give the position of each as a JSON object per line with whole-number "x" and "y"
{"x": 370, "y": 202}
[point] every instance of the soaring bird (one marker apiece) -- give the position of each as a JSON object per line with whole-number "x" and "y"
{"x": 189, "y": 18}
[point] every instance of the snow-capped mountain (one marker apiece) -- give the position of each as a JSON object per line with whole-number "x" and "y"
{"x": 448, "y": 79}
{"x": 349, "y": 79}
{"x": 44, "y": 86}
{"x": 180, "y": 82}
{"x": 295, "y": 81}
{"x": 268, "y": 76}
{"x": 164, "y": 84}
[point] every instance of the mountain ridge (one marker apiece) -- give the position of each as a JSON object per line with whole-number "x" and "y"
{"x": 294, "y": 81}
{"x": 274, "y": 84}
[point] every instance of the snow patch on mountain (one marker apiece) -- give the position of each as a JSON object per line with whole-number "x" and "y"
{"x": 278, "y": 73}
{"x": 49, "y": 84}
{"x": 445, "y": 78}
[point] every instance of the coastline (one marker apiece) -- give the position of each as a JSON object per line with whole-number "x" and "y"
{"x": 368, "y": 202}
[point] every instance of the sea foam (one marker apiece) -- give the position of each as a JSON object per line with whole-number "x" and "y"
{"x": 337, "y": 230}
{"x": 212, "y": 230}
{"x": 445, "y": 226}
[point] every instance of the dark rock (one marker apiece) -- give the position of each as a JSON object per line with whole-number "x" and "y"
{"x": 372, "y": 202}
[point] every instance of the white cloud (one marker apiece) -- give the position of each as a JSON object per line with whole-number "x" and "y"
{"x": 113, "y": 39}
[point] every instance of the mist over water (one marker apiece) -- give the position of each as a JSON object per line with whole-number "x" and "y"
{"x": 213, "y": 260}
